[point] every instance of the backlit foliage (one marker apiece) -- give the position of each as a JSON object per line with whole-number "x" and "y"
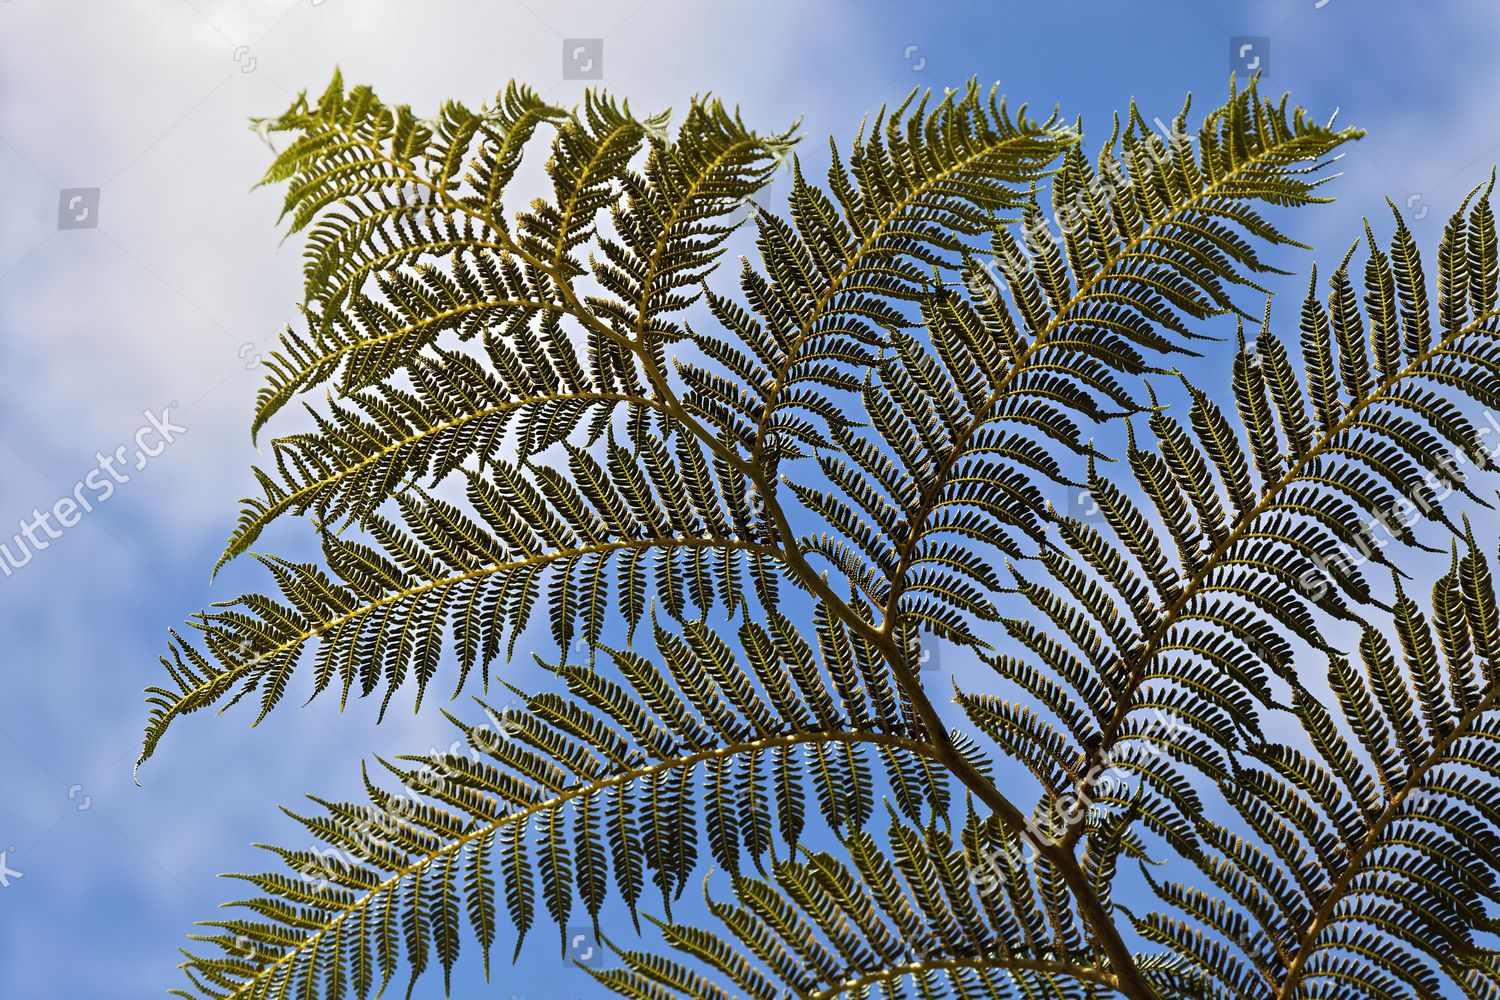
{"x": 1217, "y": 740}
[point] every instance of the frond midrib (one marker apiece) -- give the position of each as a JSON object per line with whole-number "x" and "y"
{"x": 275, "y": 509}
{"x": 1307, "y": 945}
{"x": 896, "y": 972}
{"x": 851, "y": 264}
{"x": 182, "y": 701}
{"x": 1041, "y": 340}
{"x": 1192, "y": 586}
{"x": 585, "y": 789}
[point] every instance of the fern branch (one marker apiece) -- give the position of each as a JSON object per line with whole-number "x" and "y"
{"x": 199, "y": 685}
{"x": 1241, "y": 527}
{"x": 1307, "y": 943}
{"x": 891, "y": 218}
{"x": 327, "y": 490}
{"x": 1071, "y": 312}
{"x": 281, "y": 969}
{"x": 895, "y": 973}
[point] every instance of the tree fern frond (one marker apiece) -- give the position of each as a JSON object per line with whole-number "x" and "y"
{"x": 898, "y": 915}
{"x": 1333, "y": 464}
{"x": 1149, "y": 243}
{"x": 380, "y": 439}
{"x": 378, "y": 187}
{"x": 677, "y": 215}
{"x": 534, "y": 539}
{"x": 592, "y": 152}
{"x": 386, "y": 230}
{"x": 569, "y": 799}
{"x": 391, "y": 194}
{"x": 552, "y": 420}
{"x": 1387, "y": 884}
{"x": 915, "y": 185}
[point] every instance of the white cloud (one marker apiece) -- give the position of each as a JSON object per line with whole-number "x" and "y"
{"x": 149, "y": 102}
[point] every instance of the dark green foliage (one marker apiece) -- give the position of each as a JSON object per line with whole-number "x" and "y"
{"x": 1222, "y": 751}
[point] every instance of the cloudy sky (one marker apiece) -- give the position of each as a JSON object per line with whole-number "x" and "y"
{"x": 161, "y": 293}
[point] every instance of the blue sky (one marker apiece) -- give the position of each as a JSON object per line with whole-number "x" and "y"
{"x": 167, "y": 301}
